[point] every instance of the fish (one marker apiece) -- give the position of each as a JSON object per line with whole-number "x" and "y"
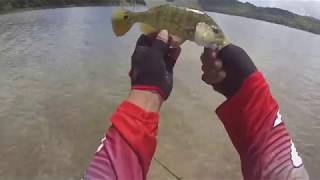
{"x": 183, "y": 22}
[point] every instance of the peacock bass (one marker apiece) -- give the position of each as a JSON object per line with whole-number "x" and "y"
{"x": 185, "y": 23}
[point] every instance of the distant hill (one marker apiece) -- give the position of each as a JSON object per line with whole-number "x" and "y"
{"x": 273, "y": 15}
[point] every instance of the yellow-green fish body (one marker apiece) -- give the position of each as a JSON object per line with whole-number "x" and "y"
{"x": 185, "y": 23}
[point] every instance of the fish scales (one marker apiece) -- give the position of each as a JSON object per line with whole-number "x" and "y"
{"x": 185, "y": 23}
{"x": 177, "y": 19}
{"x": 168, "y": 21}
{"x": 194, "y": 18}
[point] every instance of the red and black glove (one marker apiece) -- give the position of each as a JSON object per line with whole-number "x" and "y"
{"x": 152, "y": 64}
{"x": 228, "y": 77}
{"x": 238, "y": 66}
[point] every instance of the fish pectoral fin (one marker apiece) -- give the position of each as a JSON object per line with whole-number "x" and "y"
{"x": 147, "y": 29}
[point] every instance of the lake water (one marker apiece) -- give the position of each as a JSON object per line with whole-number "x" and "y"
{"x": 63, "y": 72}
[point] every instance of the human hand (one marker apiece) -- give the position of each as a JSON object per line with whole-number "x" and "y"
{"x": 226, "y": 70}
{"x": 152, "y": 64}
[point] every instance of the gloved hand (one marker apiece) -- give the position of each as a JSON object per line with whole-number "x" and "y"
{"x": 226, "y": 70}
{"x": 152, "y": 64}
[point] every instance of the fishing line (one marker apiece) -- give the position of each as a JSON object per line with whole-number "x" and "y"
{"x": 167, "y": 169}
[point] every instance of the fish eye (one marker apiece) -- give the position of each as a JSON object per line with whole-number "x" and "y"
{"x": 215, "y": 29}
{"x": 125, "y": 17}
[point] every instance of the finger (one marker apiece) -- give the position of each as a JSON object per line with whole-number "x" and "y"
{"x": 213, "y": 78}
{"x": 153, "y": 35}
{"x": 216, "y": 66}
{"x": 172, "y": 57}
{"x": 221, "y": 76}
{"x": 175, "y": 41}
{"x": 208, "y": 69}
{"x": 207, "y": 79}
{"x": 211, "y": 52}
{"x": 210, "y": 81}
{"x": 144, "y": 41}
{"x": 211, "y": 75}
{"x": 209, "y": 58}
{"x": 161, "y": 42}
{"x": 130, "y": 73}
{"x": 173, "y": 54}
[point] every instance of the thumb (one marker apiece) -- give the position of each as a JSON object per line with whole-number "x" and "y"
{"x": 161, "y": 42}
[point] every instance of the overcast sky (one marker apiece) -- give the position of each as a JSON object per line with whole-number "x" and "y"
{"x": 303, "y": 7}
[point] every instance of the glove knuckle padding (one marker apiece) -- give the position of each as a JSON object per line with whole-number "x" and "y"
{"x": 160, "y": 46}
{"x": 144, "y": 41}
{"x": 238, "y": 66}
{"x": 151, "y": 68}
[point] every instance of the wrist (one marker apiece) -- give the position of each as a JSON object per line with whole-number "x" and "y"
{"x": 150, "y": 101}
{"x": 152, "y": 88}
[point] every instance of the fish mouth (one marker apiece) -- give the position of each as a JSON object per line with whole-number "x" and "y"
{"x": 119, "y": 28}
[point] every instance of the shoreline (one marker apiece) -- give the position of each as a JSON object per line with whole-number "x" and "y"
{"x": 20, "y": 10}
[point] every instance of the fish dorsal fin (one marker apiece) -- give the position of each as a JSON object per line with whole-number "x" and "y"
{"x": 194, "y": 4}
{"x": 155, "y": 3}
{"x": 129, "y": 5}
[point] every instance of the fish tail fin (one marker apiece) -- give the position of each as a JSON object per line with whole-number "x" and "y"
{"x": 147, "y": 29}
{"x": 122, "y": 21}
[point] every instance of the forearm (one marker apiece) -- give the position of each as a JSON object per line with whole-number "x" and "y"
{"x": 128, "y": 147}
{"x": 114, "y": 159}
{"x": 253, "y": 122}
{"x": 149, "y": 101}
